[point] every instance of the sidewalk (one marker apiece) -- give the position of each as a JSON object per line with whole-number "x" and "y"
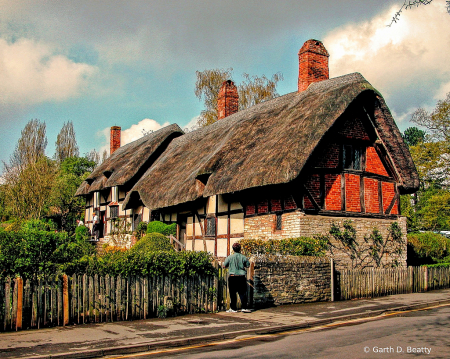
{"x": 97, "y": 340}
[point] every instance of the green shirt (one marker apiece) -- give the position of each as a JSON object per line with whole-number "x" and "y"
{"x": 237, "y": 263}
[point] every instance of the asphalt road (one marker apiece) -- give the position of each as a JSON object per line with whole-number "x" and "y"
{"x": 424, "y": 334}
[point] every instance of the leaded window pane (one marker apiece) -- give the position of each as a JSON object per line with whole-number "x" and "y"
{"x": 211, "y": 226}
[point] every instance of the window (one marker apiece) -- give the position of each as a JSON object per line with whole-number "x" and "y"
{"x": 114, "y": 211}
{"x": 352, "y": 157}
{"x": 211, "y": 226}
{"x": 155, "y": 216}
{"x": 279, "y": 222}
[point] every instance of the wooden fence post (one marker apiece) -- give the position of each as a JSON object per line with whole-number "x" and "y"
{"x": 19, "y": 284}
{"x": 250, "y": 281}
{"x": 332, "y": 279}
{"x": 65, "y": 300}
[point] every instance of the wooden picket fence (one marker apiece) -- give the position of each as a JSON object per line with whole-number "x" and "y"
{"x": 78, "y": 299}
{"x": 371, "y": 283}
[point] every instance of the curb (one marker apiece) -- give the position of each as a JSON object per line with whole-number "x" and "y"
{"x": 168, "y": 344}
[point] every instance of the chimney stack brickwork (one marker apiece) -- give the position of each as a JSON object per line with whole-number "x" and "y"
{"x": 313, "y": 64}
{"x": 114, "y": 139}
{"x": 228, "y": 100}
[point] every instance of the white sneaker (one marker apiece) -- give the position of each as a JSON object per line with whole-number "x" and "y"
{"x": 246, "y": 311}
{"x": 231, "y": 311}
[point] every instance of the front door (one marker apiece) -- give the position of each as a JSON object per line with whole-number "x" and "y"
{"x": 102, "y": 229}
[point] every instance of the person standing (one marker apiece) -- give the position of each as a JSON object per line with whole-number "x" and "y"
{"x": 237, "y": 281}
{"x": 95, "y": 228}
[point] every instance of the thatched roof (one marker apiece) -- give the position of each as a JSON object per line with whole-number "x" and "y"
{"x": 267, "y": 144}
{"x": 129, "y": 161}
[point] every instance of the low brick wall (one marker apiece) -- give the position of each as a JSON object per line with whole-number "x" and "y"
{"x": 287, "y": 280}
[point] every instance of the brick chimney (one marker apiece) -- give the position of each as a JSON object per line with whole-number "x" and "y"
{"x": 114, "y": 139}
{"x": 228, "y": 100}
{"x": 313, "y": 64}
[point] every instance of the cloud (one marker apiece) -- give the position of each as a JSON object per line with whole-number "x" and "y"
{"x": 406, "y": 62}
{"x": 31, "y": 72}
{"x": 131, "y": 134}
{"x": 192, "y": 124}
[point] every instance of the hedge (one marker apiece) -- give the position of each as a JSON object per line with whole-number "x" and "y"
{"x": 301, "y": 246}
{"x": 163, "y": 228}
{"x": 428, "y": 248}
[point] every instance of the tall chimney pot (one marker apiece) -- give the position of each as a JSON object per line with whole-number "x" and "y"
{"x": 114, "y": 139}
{"x": 313, "y": 64}
{"x": 228, "y": 100}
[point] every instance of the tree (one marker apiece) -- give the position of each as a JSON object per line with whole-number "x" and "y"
{"x": 31, "y": 145}
{"x": 207, "y": 88}
{"x": 27, "y": 189}
{"x": 252, "y": 91}
{"x": 437, "y": 122}
{"x": 29, "y": 175}
{"x": 65, "y": 209}
{"x": 413, "y": 136}
{"x": 66, "y": 143}
{"x": 93, "y": 156}
{"x": 429, "y": 208}
{"x": 408, "y": 4}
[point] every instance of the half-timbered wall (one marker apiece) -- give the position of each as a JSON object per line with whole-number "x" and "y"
{"x": 108, "y": 205}
{"x": 349, "y": 175}
{"x": 214, "y": 225}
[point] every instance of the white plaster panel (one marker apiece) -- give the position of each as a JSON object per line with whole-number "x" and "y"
{"x": 222, "y": 247}
{"x": 222, "y": 205}
{"x": 222, "y": 225}
{"x": 237, "y": 223}
{"x": 211, "y": 204}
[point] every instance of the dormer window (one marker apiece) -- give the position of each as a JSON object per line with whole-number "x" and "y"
{"x": 351, "y": 156}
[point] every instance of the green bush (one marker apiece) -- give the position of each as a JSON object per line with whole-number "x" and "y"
{"x": 122, "y": 262}
{"x": 39, "y": 224}
{"x": 141, "y": 229}
{"x": 301, "y": 246}
{"x": 171, "y": 229}
{"x": 438, "y": 265}
{"x": 30, "y": 253}
{"x": 160, "y": 227}
{"x": 153, "y": 242}
{"x": 82, "y": 233}
{"x": 156, "y": 227}
{"x": 428, "y": 248}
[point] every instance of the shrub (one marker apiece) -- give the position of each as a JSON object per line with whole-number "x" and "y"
{"x": 31, "y": 253}
{"x": 156, "y": 227}
{"x": 141, "y": 229}
{"x": 438, "y": 265}
{"x": 117, "y": 261}
{"x": 39, "y": 224}
{"x": 171, "y": 229}
{"x": 82, "y": 233}
{"x": 428, "y": 248}
{"x": 153, "y": 242}
{"x": 160, "y": 227}
{"x": 301, "y": 246}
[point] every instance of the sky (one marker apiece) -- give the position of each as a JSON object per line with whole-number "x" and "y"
{"x": 133, "y": 63}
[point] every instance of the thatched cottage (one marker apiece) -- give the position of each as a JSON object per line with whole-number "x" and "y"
{"x": 287, "y": 167}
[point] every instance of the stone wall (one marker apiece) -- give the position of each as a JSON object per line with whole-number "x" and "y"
{"x": 298, "y": 224}
{"x": 288, "y": 280}
{"x": 311, "y": 225}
